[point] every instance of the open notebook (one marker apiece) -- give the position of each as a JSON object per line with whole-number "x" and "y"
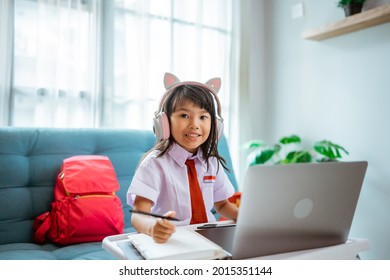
{"x": 184, "y": 244}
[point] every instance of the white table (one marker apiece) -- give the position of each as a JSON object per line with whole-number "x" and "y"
{"x": 119, "y": 246}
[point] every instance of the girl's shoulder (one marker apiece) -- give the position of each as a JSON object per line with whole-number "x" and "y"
{"x": 151, "y": 156}
{"x": 154, "y": 159}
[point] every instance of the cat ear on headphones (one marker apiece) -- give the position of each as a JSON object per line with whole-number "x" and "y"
{"x": 214, "y": 83}
{"x": 170, "y": 80}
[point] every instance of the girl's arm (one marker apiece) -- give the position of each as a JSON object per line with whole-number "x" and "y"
{"x": 159, "y": 229}
{"x": 226, "y": 209}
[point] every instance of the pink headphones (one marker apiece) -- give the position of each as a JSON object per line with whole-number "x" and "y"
{"x": 160, "y": 121}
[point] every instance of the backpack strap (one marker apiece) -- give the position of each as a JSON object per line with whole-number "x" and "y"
{"x": 41, "y": 226}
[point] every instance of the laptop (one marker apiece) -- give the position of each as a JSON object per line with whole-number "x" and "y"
{"x": 287, "y": 208}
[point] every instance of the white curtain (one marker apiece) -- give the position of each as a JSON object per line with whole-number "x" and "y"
{"x": 6, "y": 34}
{"x": 57, "y": 56}
{"x": 93, "y": 63}
{"x": 190, "y": 38}
{"x": 250, "y": 75}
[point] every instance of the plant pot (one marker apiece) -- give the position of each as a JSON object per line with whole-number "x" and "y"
{"x": 353, "y": 8}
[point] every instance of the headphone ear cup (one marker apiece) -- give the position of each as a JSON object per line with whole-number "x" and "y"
{"x": 219, "y": 127}
{"x": 161, "y": 126}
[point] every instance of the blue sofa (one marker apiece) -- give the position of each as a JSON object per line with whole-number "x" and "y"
{"x": 30, "y": 159}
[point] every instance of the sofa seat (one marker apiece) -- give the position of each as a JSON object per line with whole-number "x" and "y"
{"x": 31, "y": 251}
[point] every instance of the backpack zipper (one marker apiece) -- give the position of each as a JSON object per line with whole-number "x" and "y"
{"x": 78, "y": 196}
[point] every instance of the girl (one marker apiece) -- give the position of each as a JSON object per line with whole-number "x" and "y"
{"x": 187, "y": 127}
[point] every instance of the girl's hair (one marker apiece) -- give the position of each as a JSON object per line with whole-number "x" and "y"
{"x": 204, "y": 100}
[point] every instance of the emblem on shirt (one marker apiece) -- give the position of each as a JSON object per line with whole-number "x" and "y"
{"x": 209, "y": 179}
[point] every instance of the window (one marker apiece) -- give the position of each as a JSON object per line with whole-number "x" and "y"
{"x": 189, "y": 38}
{"x": 91, "y": 63}
{"x": 54, "y": 64}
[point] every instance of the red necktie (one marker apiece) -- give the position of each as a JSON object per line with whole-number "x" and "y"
{"x": 197, "y": 204}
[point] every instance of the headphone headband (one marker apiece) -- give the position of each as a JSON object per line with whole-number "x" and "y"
{"x": 205, "y": 86}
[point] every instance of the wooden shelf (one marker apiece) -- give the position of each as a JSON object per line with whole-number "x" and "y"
{"x": 350, "y": 24}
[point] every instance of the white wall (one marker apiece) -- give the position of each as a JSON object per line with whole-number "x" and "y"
{"x": 336, "y": 89}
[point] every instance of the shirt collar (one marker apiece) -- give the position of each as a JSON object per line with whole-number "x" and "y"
{"x": 180, "y": 155}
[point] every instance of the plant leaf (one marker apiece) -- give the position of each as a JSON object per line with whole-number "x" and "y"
{"x": 290, "y": 139}
{"x": 297, "y": 157}
{"x": 263, "y": 157}
{"x": 304, "y": 156}
{"x": 329, "y": 149}
{"x": 255, "y": 143}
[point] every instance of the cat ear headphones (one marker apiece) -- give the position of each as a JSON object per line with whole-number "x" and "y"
{"x": 160, "y": 121}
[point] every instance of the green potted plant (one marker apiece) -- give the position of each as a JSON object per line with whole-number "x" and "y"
{"x": 290, "y": 150}
{"x": 351, "y": 7}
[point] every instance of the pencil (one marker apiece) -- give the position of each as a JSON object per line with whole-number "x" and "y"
{"x": 154, "y": 215}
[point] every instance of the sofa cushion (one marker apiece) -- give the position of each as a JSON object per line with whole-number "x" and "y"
{"x": 27, "y": 251}
{"x": 30, "y": 251}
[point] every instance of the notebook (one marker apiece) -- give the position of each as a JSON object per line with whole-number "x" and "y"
{"x": 184, "y": 244}
{"x": 292, "y": 207}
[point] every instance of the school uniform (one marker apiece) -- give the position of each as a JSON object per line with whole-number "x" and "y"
{"x": 164, "y": 181}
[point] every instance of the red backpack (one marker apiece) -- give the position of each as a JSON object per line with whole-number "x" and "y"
{"x": 85, "y": 206}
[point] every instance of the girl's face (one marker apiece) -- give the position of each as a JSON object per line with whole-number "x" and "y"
{"x": 190, "y": 125}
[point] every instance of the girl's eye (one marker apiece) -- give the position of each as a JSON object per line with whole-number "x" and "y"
{"x": 184, "y": 116}
{"x": 204, "y": 117}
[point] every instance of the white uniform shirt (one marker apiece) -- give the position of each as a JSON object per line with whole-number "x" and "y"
{"x": 164, "y": 181}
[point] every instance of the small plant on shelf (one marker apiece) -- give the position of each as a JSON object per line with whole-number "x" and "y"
{"x": 289, "y": 150}
{"x": 351, "y": 7}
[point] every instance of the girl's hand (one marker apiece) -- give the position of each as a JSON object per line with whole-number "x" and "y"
{"x": 163, "y": 229}
{"x": 226, "y": 209}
